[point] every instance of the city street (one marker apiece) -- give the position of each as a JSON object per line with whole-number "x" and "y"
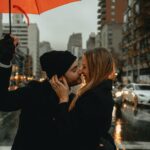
{"x": 130, "y": 129}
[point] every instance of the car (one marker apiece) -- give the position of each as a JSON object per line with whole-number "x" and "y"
{"x": 136, "y": 94}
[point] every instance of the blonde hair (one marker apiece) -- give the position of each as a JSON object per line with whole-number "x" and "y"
{"x": 100, "y": 64}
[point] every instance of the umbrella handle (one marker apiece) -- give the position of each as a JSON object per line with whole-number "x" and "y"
{"x": 9, "y": 16}
{"x": 21, "y": 10}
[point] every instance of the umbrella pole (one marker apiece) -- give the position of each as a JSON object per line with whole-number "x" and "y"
{"x": 9, "y": 16}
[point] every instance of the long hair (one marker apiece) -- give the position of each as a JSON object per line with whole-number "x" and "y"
{"x": 100, "y": 64}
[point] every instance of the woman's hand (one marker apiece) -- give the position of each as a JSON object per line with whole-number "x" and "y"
{"x": 61, "y": 88}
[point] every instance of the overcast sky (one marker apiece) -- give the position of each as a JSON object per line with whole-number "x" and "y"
{"x": 58, "y": 24}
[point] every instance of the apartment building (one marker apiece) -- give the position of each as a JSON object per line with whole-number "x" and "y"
{"x": 136, "y": 42}
{"x": 110, "y": 20}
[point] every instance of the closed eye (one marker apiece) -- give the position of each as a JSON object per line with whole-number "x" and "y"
{"x": 74, "y": 69}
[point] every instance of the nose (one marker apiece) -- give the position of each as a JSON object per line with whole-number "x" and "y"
{"x": 80, "y": 70}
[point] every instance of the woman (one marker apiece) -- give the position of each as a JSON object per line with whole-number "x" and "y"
{"x": 87, "y": 119}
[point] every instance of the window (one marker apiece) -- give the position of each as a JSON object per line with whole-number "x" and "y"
{"x": 109, "y": 41}
{"x": 113, "y": 7}
{"x": 113, "y": 19}
{"x": 113, "y": 13}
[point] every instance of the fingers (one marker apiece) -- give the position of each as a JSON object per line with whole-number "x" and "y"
{"x": 55, "y": 82}
{"x": 65, "y": 81}
{"x": 61, "y": 90}
{"x": 16, "y": 41}
{"x": 52, "y": 82}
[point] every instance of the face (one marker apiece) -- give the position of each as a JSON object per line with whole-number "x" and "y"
{"x": 73, "y": 75}
{"x": 84, "y": 69}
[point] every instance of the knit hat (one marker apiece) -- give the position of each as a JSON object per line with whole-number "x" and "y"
{"x": 56, "y": 62}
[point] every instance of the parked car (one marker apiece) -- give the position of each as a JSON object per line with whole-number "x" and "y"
{"x": 137, "y": 94}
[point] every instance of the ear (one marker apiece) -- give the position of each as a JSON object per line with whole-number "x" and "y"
{"x": 112, "y": 75}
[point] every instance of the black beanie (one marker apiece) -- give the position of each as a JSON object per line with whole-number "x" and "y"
{"x": 56, "y": 62}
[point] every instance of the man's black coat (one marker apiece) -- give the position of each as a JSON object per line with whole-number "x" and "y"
{"x": 38, "y": 105}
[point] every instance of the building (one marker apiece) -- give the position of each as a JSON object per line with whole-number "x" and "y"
{"x": 90, "y": 44}
{"x": 98, "y": 40}
{"x": 75, "y": 44}
{"x": 28, "y": 39}
{"x": 28, "y": 66}
{"x": 44, "y": 47}
{"x": 110, "y": 20}
{"x": 33, "y": 45}
{"x": 136, "y": 42}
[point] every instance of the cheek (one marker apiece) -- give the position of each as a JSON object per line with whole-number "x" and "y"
{"x": 71, "y": 77}
{"x": 85, "y": 71}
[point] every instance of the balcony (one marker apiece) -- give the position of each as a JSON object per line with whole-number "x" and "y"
{"x": 103, "y": 5}
{"x": 126, "y": 33}
{"x": 103, "y": 10}
{"x": 101, "y": 16}
{"x": 99, "y": 10}
{"x": 99, "y": 28}
{"x": 99, "y": 22}
{"x": 101, "y": 2}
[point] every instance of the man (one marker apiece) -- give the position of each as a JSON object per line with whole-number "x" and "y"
{"x": 37, "y": 101}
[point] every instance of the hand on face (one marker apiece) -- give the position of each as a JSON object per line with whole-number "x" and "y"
{"x": 16, "y": 41}
{"x": 61, "y": 88}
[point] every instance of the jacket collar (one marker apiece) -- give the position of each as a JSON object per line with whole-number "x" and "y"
{"x": 106, "y": 84}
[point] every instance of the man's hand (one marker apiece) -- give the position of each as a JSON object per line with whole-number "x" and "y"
{"x": 7, "y": 49}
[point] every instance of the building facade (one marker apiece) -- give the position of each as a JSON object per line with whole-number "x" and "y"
{"x": 91, "y": 42}
{"x": 136, "y": 42}
{"x": 44, "y": 47}
{"x": 33, "y": 45}
{"x": 110, "y": 20}
{"x": 75, "y": 44}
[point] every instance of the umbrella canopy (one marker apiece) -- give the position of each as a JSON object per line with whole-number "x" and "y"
{"x": 30, "y": 6}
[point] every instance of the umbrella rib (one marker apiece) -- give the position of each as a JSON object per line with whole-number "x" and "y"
{"x": 37, "y": 6}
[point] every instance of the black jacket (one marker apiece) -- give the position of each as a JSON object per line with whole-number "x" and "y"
{"x": 89, "y": 120}
{"x": 38, "y": 104}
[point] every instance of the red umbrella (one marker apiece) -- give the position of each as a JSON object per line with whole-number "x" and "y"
{"x": 30, "y": 6}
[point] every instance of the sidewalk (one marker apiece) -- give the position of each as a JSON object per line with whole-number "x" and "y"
{"x": 137, "y": 145}
{"x": 5, "y": 147}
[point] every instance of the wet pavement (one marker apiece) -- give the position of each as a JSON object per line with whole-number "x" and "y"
{"x": 5, "y": 148}
{"x": 132, "y": 128}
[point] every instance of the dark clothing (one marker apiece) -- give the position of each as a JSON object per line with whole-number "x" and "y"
{"x": 38, "y": 104}
{"x": 89, "y": 120}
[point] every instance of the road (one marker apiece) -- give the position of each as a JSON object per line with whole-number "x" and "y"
{"x": 130, "y": 127}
